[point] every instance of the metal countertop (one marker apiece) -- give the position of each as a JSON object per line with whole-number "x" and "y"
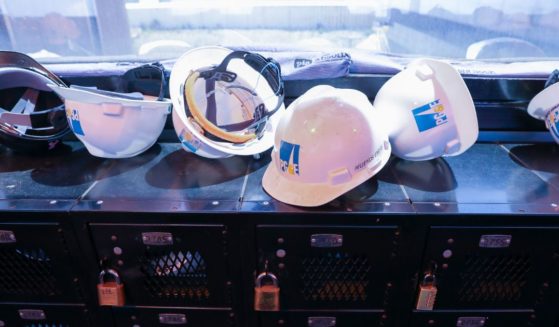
{"x": 487, "y": 179}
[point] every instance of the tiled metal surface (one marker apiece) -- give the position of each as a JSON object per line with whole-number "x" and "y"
{"x": 168, "y": 174}
{"x": 64, "y": 174}
{"x": 485, "y": 174}
{"x": 487, "y": 178}
{"x": 542, "y": 159}
{"x": 49, "y": 182}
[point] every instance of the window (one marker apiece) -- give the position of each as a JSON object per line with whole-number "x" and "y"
{"x": 160, "y": 29}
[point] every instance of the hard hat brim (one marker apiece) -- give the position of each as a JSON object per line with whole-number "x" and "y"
{"x": 464, "y": 110}
{"x": 423, "y": 81}
{"x": 121, "y": 138}
{"x": 313, "y": 194}
{"x": 544, "y": 101}
{"x": 96, "y": 97}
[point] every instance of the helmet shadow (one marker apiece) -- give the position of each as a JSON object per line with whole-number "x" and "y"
{"x": 433, "y": 175}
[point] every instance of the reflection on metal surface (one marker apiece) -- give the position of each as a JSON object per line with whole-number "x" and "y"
{"x": 363, "y": 192}
{"x": 485, "y": 175}
{"x": 166, "y": 179}
{"x": 539, "y": 157}
{"x": 431, "y": 176}
{"x": 173, "y": 181}
{"x": 181, "y": 170}
{"x": 76, "y": 167}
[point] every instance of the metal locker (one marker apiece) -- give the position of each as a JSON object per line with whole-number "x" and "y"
{"x": 24, "y": 315}
{"x": 332, "y": 267}
{"x": 492, "y": 267}
{"x": 167, "y": 265}
{"x": 35, "y": 264}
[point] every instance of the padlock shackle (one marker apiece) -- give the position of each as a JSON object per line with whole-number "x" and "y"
{"x": 273, "y": 278}
{"x": 111, "y": 272}
{"x": 428, "y": 278}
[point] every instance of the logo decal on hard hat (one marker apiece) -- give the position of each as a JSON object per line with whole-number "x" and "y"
{"x": 298, "y": 63}
{"x": 74, "y": 119}
{"x": 189, "y": 141}
{"x": 430, "y": 115}
{"x": 289, "y": 158}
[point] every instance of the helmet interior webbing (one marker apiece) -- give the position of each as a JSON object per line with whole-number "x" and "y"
{"x": 203, "y": 121}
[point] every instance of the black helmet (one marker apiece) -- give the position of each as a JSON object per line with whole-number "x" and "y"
{"x": 32, "y": 117}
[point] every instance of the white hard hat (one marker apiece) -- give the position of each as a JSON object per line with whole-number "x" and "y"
{"x": 115, "y": 125}
{"x": 545, "y": 106}
{"x": 226, "y": 102}
{"x": 329, "y": 141}
{"x": 428, "y": 110}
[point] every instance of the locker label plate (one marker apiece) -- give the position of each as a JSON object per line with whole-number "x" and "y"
{"x": 470, "y": 322}
{"x": 495, "y": 241}
{"x": 327, "y": 240}
{"x": 321, "y": 321}
{"x": 32, "y": 314}
{"x": 7, "y": 236}
{"x": 172, "y": 319}
{"x": 157, "y": 238}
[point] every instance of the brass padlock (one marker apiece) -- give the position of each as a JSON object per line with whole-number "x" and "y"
{"x": 427, "y": 293}
{"x": 110, "y": 293}
{"x": 266, "y": 297}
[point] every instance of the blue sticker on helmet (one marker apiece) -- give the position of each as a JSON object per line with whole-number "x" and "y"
{"x": 74, "y": 119}
{"x": 554, "y": 123}
{"x": 189, "y": 141}
{"x": 430, "y": 115}
{"x": 289, "y": 158}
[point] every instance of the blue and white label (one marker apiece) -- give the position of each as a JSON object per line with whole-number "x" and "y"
{"x": 298, "y": 63}
{"x": 74, "y": 119}
{"x": 554, "y": 123}
{"x": 289, "y": 158}
{"x": 430, "y": 115}
{"x": 189, "y": 141}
